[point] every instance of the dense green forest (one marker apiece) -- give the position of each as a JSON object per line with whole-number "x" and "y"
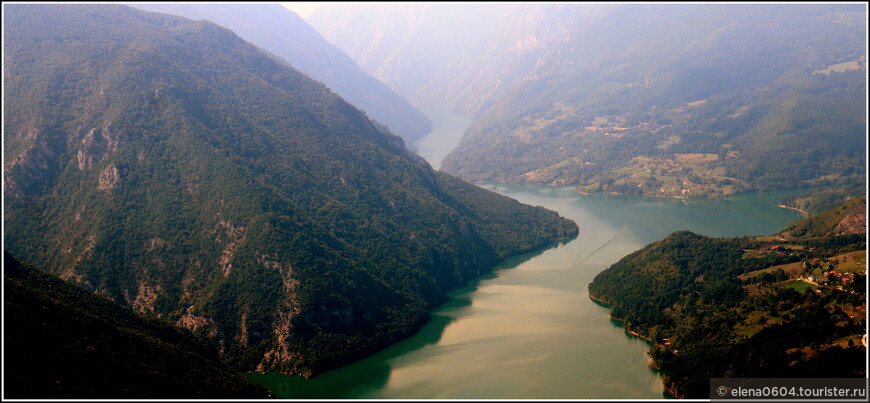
{"x": 682, "y": 101}
{"x": 283, "y": 33}
{"x": 63, "y": 342}
{"x": 823, "y": 199}
{"x": 173, "y": 167}
{"x": 788, "y": 305}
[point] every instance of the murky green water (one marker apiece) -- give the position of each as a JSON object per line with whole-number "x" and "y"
{"x": 447, "y": 130}
{"x": 529, "y": 330}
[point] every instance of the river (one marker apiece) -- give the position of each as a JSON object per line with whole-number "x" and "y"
{"x": 447, "y": 130}
{"x": 529, "y": 329}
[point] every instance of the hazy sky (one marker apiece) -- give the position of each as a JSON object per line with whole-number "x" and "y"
{"x": 303, "y": 9}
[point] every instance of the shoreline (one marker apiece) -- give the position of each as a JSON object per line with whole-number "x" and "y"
{"x": 652, "y": 365}
{"x": 633, "y": 333}
{"x": 600, "y": 300}
{"x": 644, "y": 194}
{"x": 805, "y": 214}
{"x": 417, "y": 328}
{"x": 638, "y": 335}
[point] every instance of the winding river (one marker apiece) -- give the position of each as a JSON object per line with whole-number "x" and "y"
{"x": 529, "y": 329}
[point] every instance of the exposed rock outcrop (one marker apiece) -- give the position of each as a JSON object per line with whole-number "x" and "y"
{"x": 855, "y": 221}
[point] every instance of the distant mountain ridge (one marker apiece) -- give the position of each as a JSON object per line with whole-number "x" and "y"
{"x": 676, "y": 100}
{"x": 408, "y": 46}
{"x": 286, "y": 35}
{"x": 677, "y": 104}
{"x": 170, "y": 165}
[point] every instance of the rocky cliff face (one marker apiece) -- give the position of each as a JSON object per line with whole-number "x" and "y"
{"x": 855, "y": 222}
{"x": 63, "y": 342}
{"x": 172, "y": 166}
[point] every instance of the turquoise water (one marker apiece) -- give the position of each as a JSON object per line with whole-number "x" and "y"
{"x": 529, "y": 330}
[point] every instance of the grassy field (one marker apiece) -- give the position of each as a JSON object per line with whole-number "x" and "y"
{"x": 839, "y": 68}
{"x": 850, "y": 262}
{"x": 791, "y": 269}
{"x": 686, "y": 175}
{"x": 799, "y": 285}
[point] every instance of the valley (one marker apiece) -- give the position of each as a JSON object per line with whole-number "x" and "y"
{"x": 212, "y": 185}
{"x": 602, "y": 96}
{"x": 431, "y": 200}
{"x": 529, "y": 329}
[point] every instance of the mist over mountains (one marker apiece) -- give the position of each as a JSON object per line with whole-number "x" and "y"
{"x": 415, "y": 47}
{"x": 240, "y": 190}
{"x": 281, "y": 32}
{"x": 736, "y": 97}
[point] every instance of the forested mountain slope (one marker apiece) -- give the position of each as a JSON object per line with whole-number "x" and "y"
{"x": 679, "y": 100}
{"x": 787, "y": 305}
{"x": 820, "y": 200}
{"x": 171, "y": 166}
{"x": 848, "y": 218}
{"x": 684, "y": 100}
{"x": 283, "y": 33}
{"x": 62, "y": 342}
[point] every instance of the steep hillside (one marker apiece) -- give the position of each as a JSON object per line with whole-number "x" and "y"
{"x": 682, "y": 100}
{"x": 679, "y": 100}
{"x": 172, "y": 166}
{"x": 525, "y": 43}
{"x": 823, "y": 199}
{"x": 849, "y": 218}
{"x": 283, "y": 33}
{"x": 62, "y": 342}
{"x": 762, "y": 307}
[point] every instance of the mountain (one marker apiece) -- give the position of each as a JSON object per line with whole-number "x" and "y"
{"x": 848, "y": 218}
{"x": 786, "y": 305}
{"x": 679, "y": 100}
{"x": 459, "y": 58}
{"x": 669, "y": 100}
{"x": 283, "y": 33}
{"x": 64, "y": 342}
{"x": 171, "y": 166}
{"x": 823, "y": 199}
{"x": 409, "y": 45}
